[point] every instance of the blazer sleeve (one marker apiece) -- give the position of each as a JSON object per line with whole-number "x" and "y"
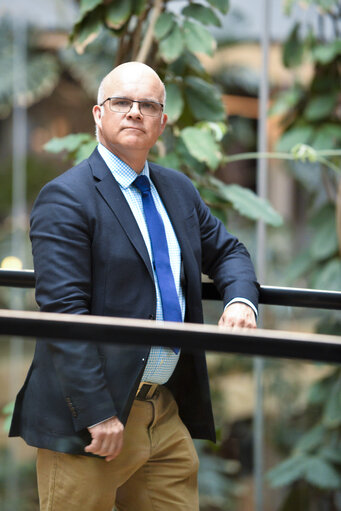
{"x": 225, "y": 259}
{"x": 61, "y": 246}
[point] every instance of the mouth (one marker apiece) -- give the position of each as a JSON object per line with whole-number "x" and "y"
{"x": 135, "y": 128}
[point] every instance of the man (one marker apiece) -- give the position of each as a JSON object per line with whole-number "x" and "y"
{"x": 113, "y": 423}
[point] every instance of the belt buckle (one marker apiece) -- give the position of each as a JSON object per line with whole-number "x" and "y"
{"x": 150, "y": 392}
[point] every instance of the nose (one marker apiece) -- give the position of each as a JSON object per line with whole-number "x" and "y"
{"x": 134, "y": 111}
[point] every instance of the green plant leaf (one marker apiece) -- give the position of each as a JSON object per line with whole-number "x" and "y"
{"x": 320, "y": 473}
{"x": 293, "y": 48}
{"x": 172, "y": 46}
{"x": 87, "y": 31}
{"x": 117, "y": 13}
{"x": 77, "y": 146}
{"x": 324, "y": 243}
{"x": 87, "y": 6}
{"x": 201, "y": 13}
{"x": 221, "y": 5}
{"x": 164, "y": 24}
{"x": 299, "y": 266}
{"x": 295, "y": 135}
{"x": 326, "y": 53}
{"x": 170, "y": 160}
{"x": 204, "y": 100}
{"x": 286, "y": 101}
{"x": 139, "y": 6}
{"x": 202, "y": 146}
{"x": 329, "y": 276}
{"x": 288, "y": 471}
{"x": 320, "y": 107}
{"x": 332, "y": 454}
{"x": 198, "y": 39}
{"x": 327, "y": 136}
{"x": 84, "y": 151}
{"x": 248, "y": 204}
{"x": 332, "y": 411}
{"x": 174, "y": 102}
{"x": 311, "y": 439}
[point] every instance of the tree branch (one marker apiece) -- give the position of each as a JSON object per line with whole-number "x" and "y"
{"x": 148, "y": 39}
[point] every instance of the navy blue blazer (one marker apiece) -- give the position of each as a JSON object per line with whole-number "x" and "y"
{"x": 90, "y": 258}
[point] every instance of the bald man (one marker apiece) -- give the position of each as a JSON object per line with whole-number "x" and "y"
{"x": 114, "y": 424}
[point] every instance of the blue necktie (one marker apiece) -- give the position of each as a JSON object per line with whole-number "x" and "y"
{"x": 169, "y": 297}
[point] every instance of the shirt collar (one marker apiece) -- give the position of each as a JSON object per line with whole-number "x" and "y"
{"x": 121, "y": 171}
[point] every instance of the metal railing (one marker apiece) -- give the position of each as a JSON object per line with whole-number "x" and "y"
{"x": 258, "y": 342}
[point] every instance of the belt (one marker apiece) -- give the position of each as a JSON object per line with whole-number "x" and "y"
{"x": 146, "y": 391}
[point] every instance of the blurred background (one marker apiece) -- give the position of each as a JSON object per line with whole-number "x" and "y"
{"x": 249, "y": 77}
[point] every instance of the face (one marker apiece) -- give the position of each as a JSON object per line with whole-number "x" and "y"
{"x": 130, "y": 134}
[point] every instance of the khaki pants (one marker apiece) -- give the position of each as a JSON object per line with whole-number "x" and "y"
{"x": 155, "y": 471}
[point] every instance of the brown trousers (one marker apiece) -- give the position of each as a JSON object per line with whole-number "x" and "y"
{"x": 155, "y": 471}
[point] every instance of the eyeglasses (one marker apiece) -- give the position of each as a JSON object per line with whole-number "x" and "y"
{"x": 124, "y": 105}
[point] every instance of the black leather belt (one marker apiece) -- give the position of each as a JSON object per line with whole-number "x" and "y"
{"x": 146, "y": 391}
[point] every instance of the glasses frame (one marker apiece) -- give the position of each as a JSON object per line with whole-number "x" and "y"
{"x": 132, "y": 102}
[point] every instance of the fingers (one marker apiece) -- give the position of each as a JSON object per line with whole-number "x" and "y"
{"x": 107, "y": 439}
{"x": 238, "y": 315}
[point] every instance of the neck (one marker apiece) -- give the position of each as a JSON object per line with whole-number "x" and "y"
{"x": 135, "y": 159}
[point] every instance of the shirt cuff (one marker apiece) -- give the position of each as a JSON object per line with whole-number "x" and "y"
{"x": 100, "y": 422}
{"x": 243, "y": 300}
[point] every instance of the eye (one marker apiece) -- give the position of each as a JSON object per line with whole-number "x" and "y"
{"x": 121, "y": 102}
{"x": 151, "y": 107}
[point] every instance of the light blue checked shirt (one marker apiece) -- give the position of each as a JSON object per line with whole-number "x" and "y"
{"x": 161, "y": 361}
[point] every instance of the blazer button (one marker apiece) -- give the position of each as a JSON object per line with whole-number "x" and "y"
{"x": 151, "y": 316}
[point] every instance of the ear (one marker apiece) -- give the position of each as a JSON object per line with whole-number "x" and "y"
{"x": 97, "y": 113}
{"x": 163, "y": 122}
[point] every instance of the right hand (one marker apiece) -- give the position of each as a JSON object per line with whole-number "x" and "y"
{"x": 107, "y": 438}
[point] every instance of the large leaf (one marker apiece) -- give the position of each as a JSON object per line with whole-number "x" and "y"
{"x": 174, "y": 102}
{"x": 172, "y": 46}
{"x": 320, "y": 473}
{"x": 86, "y": 32}
{"x": 293, "y": 48}
{"x": 204, "y": 100}
{"x": 332, "y": 411}
{"x": 77, "y": 146}
{"x": 139, "y": 6}
{"x": 295, "y": 135}
{"x": 117, "y": 13}
{"x": 164, "y": 24}
{"x": 201, "y": 13}
{"x": 320, "y": 107}
{"x": 202, "y": 146}
{"x": 311, "y": 439}
{"x": 198, "y": 39}
{"x": 87, "y": 6}
{"x": 299, "y": 267}
{"x": 288, "y": 471}
{"x": 327, "y": 136}
{"x": 247, "y": 203}
{"x": 222, "y": 5}
{"x": 286, "y": 101}
{"x": 325, "y": 53}
{"x": 324, "y": 243}
{"x": 329, "y": 277}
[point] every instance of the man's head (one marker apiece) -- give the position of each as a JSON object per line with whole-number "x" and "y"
{"x": 128, "y": 129}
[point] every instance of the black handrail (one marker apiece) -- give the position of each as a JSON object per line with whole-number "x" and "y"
{"x": 271, "y": 295}
{"x": 267, "y": 343}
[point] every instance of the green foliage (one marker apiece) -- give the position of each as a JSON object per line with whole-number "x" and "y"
{"x": 312, "y": 130}
{"x": 77, "y": 146}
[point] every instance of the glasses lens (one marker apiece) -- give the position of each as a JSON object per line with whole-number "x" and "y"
{"x": 149, "y": 108}
{"x": 123, "y": 106}
{"x": 120, "y": 105}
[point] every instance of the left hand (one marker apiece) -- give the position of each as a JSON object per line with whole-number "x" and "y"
{"x": 238, "y": 315}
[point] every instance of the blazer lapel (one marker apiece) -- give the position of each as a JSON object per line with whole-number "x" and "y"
{"x": 110, "y": 191}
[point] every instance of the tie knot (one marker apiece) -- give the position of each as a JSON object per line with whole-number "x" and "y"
{"x": 142, "y": 183}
